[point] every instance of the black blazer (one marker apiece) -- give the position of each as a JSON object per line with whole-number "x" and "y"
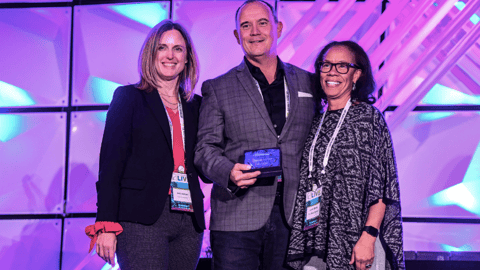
{"x": 136, "y": 158}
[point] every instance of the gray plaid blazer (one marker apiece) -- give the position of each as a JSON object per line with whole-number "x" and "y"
{"x": 233, "y": 118}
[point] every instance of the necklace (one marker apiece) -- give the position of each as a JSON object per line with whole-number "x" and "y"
{"x": 162, "y": 94}
{"x": 172, "y": 103}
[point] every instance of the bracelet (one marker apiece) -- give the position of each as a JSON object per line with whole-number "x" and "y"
{"x": 371, "y": 230}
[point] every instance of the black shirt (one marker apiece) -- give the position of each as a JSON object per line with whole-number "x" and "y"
{"x": 273, "y": 94}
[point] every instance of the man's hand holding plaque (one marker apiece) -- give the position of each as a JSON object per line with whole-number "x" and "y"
{"x": 241, "y": 178}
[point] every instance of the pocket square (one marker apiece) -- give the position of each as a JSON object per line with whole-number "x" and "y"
{"x": 303, "y": 94}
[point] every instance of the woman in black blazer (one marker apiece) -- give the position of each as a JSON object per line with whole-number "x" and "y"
{"x": 149, "y": 196}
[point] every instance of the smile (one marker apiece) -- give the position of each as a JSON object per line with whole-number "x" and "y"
{"x": 169, "y": 64}
{"x": 333, "y": 83}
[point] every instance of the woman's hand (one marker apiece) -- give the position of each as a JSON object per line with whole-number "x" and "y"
{"x": 106, "y": 247}
{"x": 364, "y": 252}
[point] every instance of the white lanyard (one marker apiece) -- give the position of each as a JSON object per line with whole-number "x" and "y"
{"x": 180, "y": 111}
{"x": 330, "y": 143}
{"x": 287, "y": 96}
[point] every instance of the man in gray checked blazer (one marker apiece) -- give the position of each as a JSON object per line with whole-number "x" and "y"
{"x": 262, "y": 103}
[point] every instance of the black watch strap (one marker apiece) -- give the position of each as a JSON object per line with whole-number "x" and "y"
{"x": 371, "y": 230}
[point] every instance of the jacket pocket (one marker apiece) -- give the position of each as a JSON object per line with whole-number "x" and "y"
{"x": 133, "y": 183}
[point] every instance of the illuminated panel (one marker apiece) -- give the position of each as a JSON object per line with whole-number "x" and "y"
{"x": 32, "y": 1}
{"x": 441, "y": 237}
{"x": 438, "y": 157}
{"x": 474, "y": 19}
{"x": 85, "y": 139}
{"x": 442, "y": 95}
{"x": 12, "y": 96}
{"x": 35, "y": 53}
{"x": 76, "y": 244}
{"x": 30, "y": 244}
{"x": 107, "y": 42}
{"x": 290, "y": 13}
{"x": 212, "y": 34}
{"x": 361, "y": 15}
{"x": 32, "y": 151}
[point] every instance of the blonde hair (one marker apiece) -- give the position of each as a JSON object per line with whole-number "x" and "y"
{"x": 149, "y": 76}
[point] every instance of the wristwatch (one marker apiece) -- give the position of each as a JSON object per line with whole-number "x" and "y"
{"x": 371, "y": 230}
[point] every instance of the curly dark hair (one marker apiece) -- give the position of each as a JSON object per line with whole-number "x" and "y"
{"x": 365, "y": 84}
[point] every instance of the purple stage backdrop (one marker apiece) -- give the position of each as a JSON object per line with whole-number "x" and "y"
{"x": 61, "y": 61}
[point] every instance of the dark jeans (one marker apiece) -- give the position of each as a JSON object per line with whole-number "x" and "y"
{"x": 261, "y": 249}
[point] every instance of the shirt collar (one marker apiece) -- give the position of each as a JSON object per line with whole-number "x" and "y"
{"x": 258, "y": 74}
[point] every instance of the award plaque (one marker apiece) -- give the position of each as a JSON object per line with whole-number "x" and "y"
{"x": 267, "y": 161}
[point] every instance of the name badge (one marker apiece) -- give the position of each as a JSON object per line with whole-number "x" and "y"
{"x": 312, "y": 208}
{"x": 181, "y": 199}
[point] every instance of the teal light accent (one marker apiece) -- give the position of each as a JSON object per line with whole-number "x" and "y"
{"x": 101, "y": 89}
{"x": 456, "y": 195}
{"x": 10, "y": 126}
{"x": 442, "y": 95}
{"x": 148, "y": 14}
{"x": 12, "y": 96}
{"x": 446, "y": 247}
{"x": 466, "y": 194}
{"x": 461, "y": 5}
{"x": 475, "y": 19}
{"x": 432, "y": 116}
{"x": 102, "y": 116}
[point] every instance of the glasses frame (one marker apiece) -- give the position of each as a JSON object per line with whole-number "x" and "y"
{"x": 349, "y": 65}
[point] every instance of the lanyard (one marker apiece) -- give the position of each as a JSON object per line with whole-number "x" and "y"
{"x": 287, "y": 96}
{"x": 180, "y": 111}
{"x": 330, "y": 143}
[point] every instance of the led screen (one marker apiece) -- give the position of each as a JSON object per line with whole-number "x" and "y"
{"x": 438, "y": 158}
{"x": 30, "y": 244}
{"x": 107, "y": 43}
{"x": 35, "y": 56}
{"x": 441, "y": 237}
{"x": 85, "y": 139}
{"x": 32, "y": 150}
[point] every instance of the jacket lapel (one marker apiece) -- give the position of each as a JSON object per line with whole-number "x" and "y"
{"x": 189, "y": 124}
{"x": 292, "y": 84}
{"x": 156, "y": 106}
{"x": 248, "y": 83}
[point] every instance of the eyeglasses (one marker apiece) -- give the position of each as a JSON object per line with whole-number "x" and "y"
{"x": 341, "y": 68}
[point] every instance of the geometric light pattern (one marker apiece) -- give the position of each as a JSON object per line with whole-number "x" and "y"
{"x": 10, "y": 126}
{"x": 443, "y": 95}
{"x": 432, "y": 116}
{"x": 11, "y": 96}
{"x": 452, "y": 248}
{"x": 466, "y": 194}
{"x": 474, "y": 19}
{"x": 441, "y": 237}
{"x": 30, "y": 244}
{"x": 34, "y": 56}
{"x": 101, "y": 89}
{"x": 148, "y": 14}
{"x": 33, "y": 163}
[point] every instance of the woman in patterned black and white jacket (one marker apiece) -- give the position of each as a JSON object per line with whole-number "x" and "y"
{"x": 347, "y": 213}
